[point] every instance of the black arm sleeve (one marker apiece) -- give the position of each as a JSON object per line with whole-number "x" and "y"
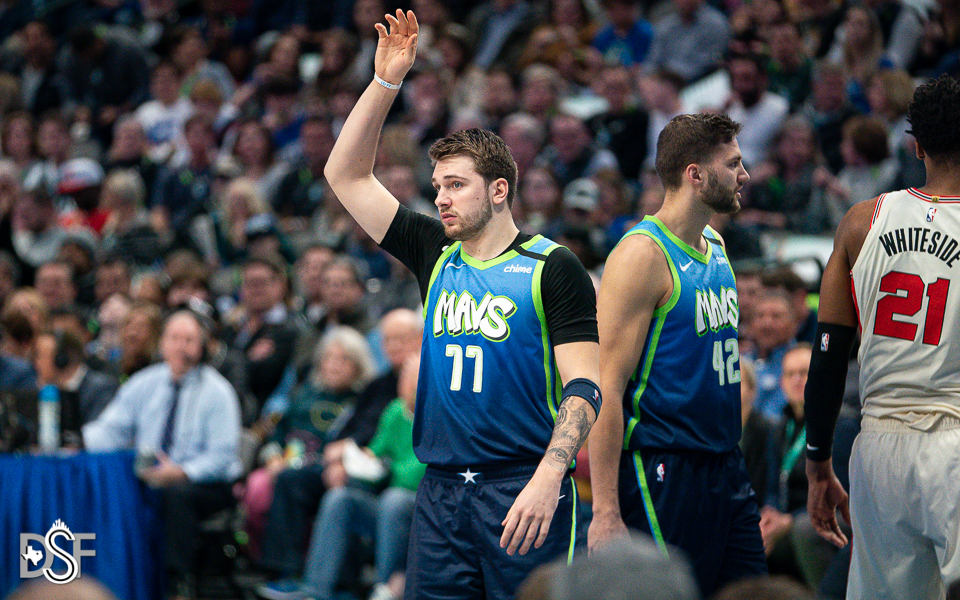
{"x": 569, "y": 299}
{"x": 823, "y": 394}
{"x": 417, "y": 241}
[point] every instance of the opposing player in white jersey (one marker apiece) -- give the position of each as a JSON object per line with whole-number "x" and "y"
{"x": 895, "y": 273}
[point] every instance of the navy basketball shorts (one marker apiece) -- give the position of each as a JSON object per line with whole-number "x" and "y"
{"x": 699, "y": 502}
{"x": 455, "y": 537}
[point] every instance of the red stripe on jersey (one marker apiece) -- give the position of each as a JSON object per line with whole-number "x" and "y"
{"x": 876, "y": 211}
{"x": 929, "y": 198}
{"x": 853, "y": 294}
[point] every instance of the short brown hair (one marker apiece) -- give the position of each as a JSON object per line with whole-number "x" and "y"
{"x": 491, "y": 156}
{"x": 689, "y": 139}
{"x": 869, "y": 138}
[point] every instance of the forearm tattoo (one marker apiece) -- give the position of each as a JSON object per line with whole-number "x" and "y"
{"x": 569, "y": 433}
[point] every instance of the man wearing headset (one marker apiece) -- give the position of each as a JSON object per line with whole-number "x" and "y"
{"x": 185, "y": 415}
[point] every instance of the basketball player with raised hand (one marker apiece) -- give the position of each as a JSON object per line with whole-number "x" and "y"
{"x": 507, "y": 391}
{"x": 895, "y": 273}
{"x": 664, "y": 454}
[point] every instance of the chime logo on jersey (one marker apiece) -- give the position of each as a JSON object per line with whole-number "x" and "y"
{"x": 461, "y": 313}
{"x": 716, "y": 312}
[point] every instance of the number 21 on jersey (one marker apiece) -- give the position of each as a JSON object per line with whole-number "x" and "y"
{"x": 895, "y": 304}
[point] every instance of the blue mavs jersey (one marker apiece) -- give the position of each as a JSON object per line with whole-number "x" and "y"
{"x": 489, "y": 388}
{"x": 685, "y": 392}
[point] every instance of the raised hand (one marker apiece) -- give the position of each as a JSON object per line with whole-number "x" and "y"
{"x": 397, "y": 49}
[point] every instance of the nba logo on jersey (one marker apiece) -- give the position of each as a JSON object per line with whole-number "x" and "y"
{"x": 931, "y": 212}
{"x": 661, "y": 470}
{"x": 824, "y": 342}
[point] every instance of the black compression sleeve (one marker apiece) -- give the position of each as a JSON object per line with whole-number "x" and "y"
{"x": 823, "y": 394}
{"x": 569, "y": 299}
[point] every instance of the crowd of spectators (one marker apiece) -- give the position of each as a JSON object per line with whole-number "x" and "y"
{"x": 156, "y": 154}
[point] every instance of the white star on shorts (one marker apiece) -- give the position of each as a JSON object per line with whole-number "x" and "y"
{"x": 468, "y": 476}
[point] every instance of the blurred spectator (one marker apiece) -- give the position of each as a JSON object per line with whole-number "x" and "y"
{"x": 660, "y": 92}
{"x": 429, "y": 113}
{"x": 79, "y": 250}
{"x": 80, "y": 182}
{"x": 86, "y": 588}
{"x": 626, "y": 39}
{"x": 782, "y": 192}
{"x": 54, "y": 147}
{"x": 498, "y": 96}
{"x": 858, "y": 48}
{"x": 572, "y": 153}
{"x": 773, "y": 328}
{"x": 400, "y": 333}
{"x": 107, "y": 77}
{"x": 294, "y": 473}
{"x": 107, "y": 348}
{"x": 524, "y": 135}
{"x": 184, "y": 415}
{"x": 128, "y": 232}
{"x": 148, "y": 287}
{"x": 241, "y": 202}
{"x": 364, "y": 15}
{"x": 18, "y": 141}
{"x": 786, "y": 280}
{"x": 16, "y": 372}
{"x": 622, "y": 127}
{"x": 499, "y": 29}
{"x": 60, "y": 360}
{"x": 300, "y": 191}
{"x": 162, "y": 118}
{"x": 308, "y": 303}
{"x": 790, "y": 68}
{"x": 787, "y": 483}
{"x": 31, "y": 305}
{"x": 793, "y": 547}
{"x": 190, "y": 55}
{"x": 868, "y": 170}
{"x": 563, "y": 41}
{"x": 254, "y": 150}
{"x": 112, "y": 278}
{"x": 690, "y": 42}
{"x": 766, "y": 588}
{"x": 9, "y": 276}
{"x": 382, "y": 519}
{"x": 139, "y": 338}
{"x": 55, "y": 283}
{"x": 630, "y": 568}
{"x": 755, "y": 439}
{"x": 540, "y": 88}
{"x": 828, "y": 109}
{"x": 42, "y": 86}
{"x": 760, "y": 111}
{"x": 888, "y": 95}
{"x": 282, "y": 113}
{"x": 183, "y": 193}
{"x": 939, "y": 48}
{"x": 262, "y": 327}
{"x": 130, "y": 150}
{"x": 401, "y": 181}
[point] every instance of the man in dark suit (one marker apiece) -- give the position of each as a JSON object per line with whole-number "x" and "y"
{"x": 84, "y": 393}
{"x": 43, "y": 87}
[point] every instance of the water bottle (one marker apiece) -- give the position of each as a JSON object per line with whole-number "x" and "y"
{"x": 49, "y": 417}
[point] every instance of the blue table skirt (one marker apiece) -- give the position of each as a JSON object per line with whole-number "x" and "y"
{"x": 90, "y": 493}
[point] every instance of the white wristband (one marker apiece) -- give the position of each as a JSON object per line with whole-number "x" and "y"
{"x": 387, "y": 84}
